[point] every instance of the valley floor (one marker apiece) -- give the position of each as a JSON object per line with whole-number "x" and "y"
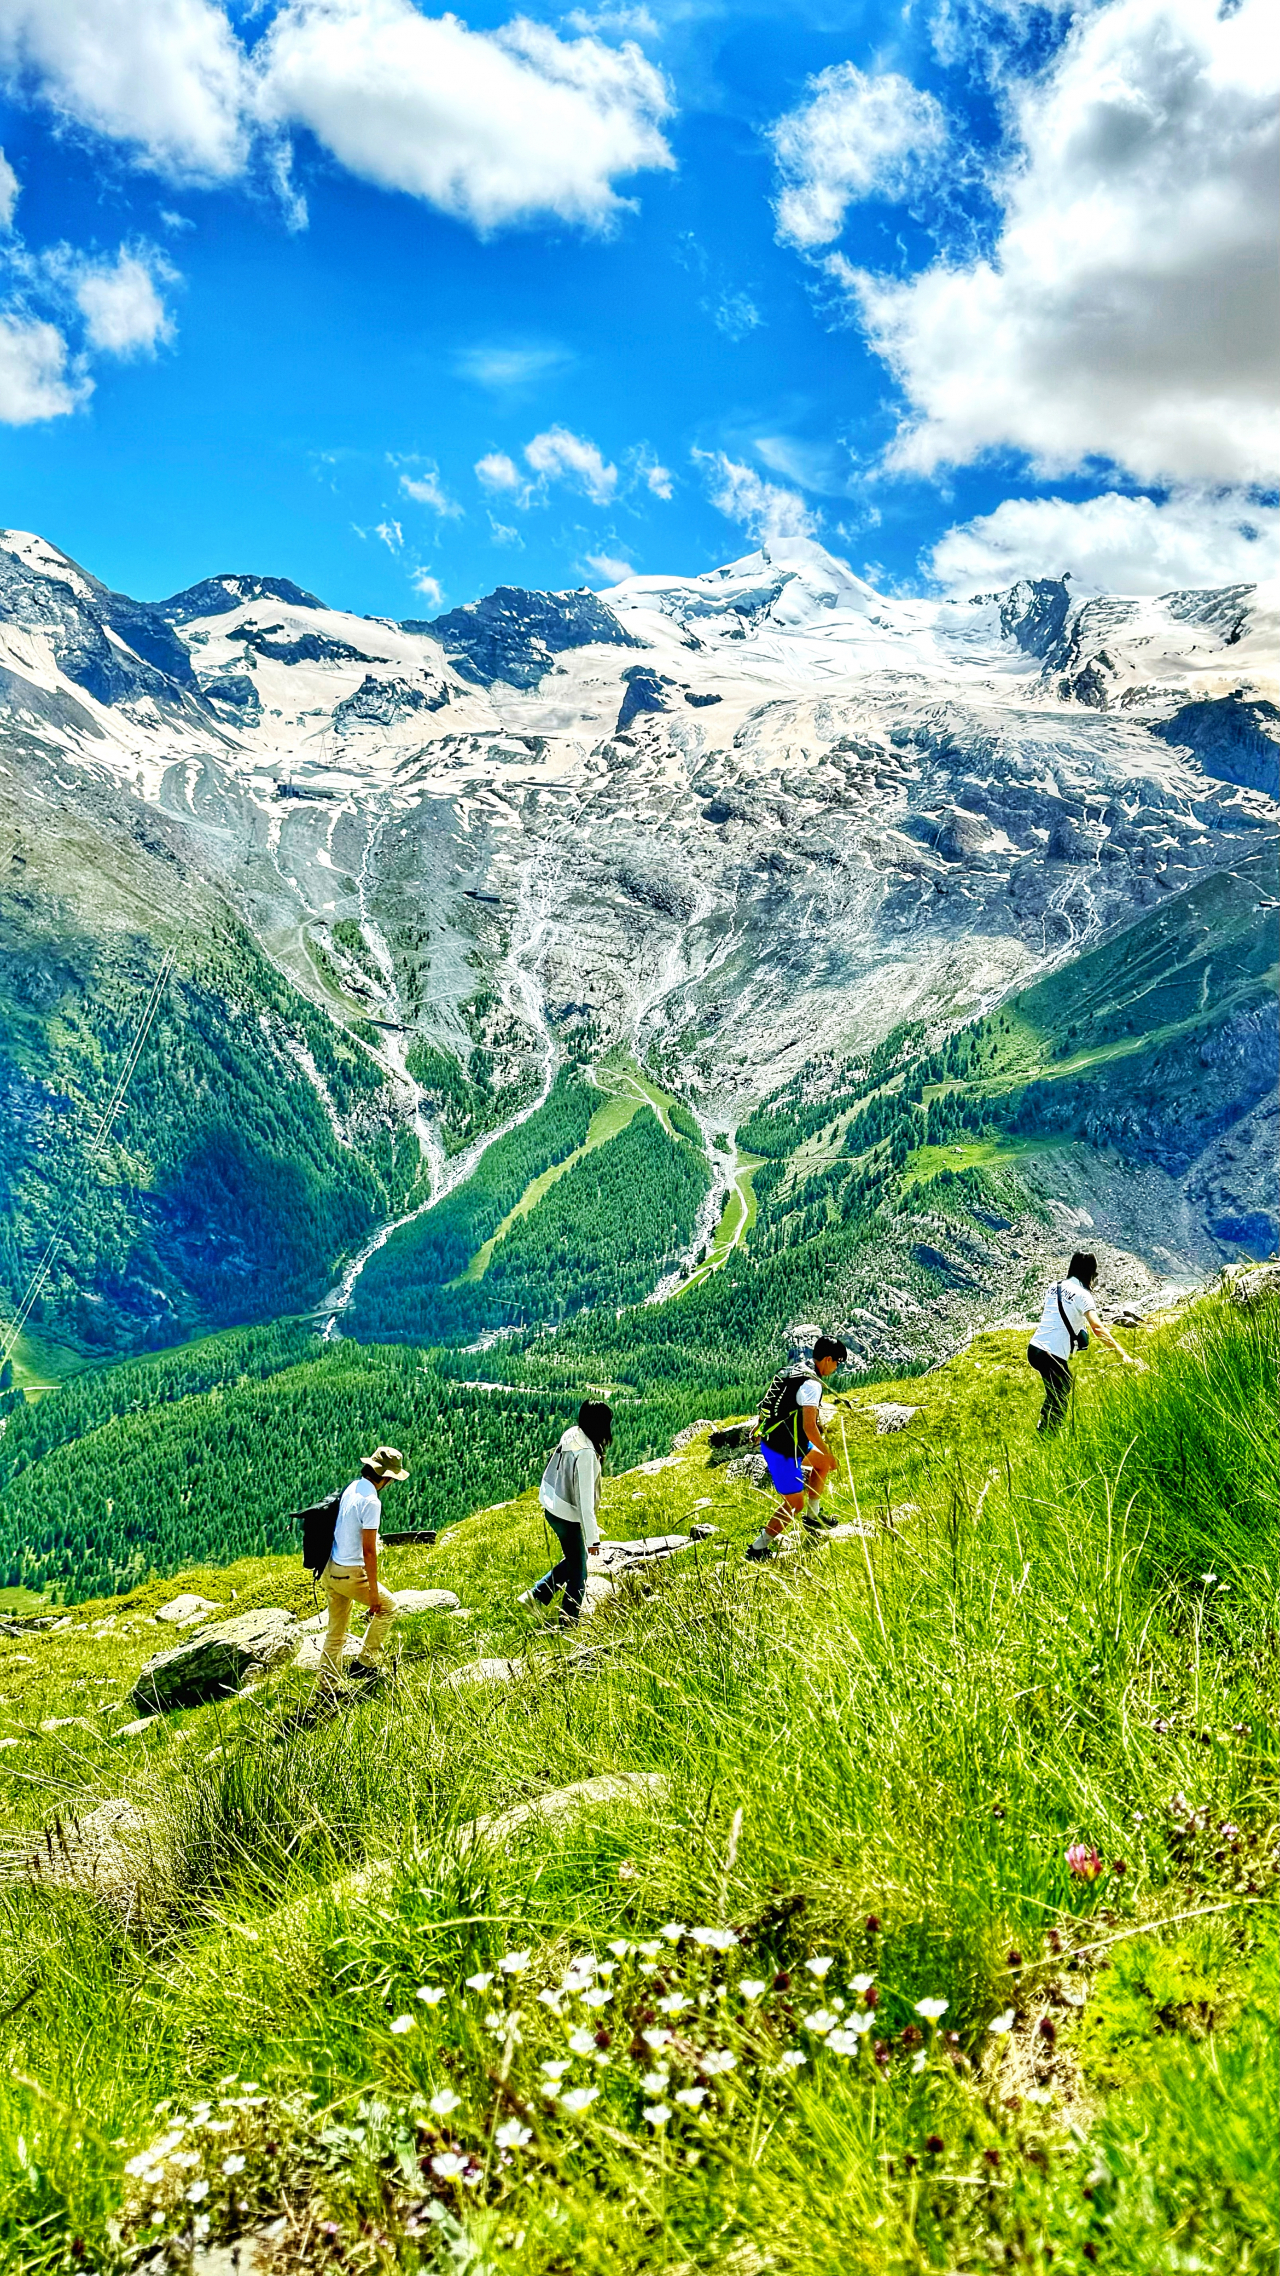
{"x": 906, "y": 1905}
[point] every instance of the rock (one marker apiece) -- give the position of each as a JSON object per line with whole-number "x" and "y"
{"x": 248, "y": 2256}
{"x": 646, "y": 1550}
{"x": 599, "y": 1590}
{"x": 752, "y": 1467}
{"x": 215, "y": 1662}
{"x": 890, "y": 1417}
{"x": 651, "y": 1469}
{"x": 10, "y": 1742}
{"x": 482, "y": 1671}
{"x": 702, "y": 1532}
{"x": 634, "y": 1786}
{"x": 109, "y": 1851}
{"x": 308, "y": 1655}
{"x": 132, "y": 1730}
{"x": 68, "y": 1723}
{"x": 1264, "y": 1281}
{"x": 691, "y": 1431}
{"x": 412, "y": 1600}
{"x": 186, "y": 1611}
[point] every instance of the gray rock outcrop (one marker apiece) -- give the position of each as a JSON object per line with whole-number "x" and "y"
{"x": 214, "y": 1662}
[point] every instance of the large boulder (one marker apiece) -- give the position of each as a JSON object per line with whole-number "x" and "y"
{"x": 215, "y": 1661}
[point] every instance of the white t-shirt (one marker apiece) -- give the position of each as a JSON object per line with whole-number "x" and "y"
{"x": 810, "y": 1394}
{"x": 359, "y": 1511}
{"x": 1077, "y": 1303}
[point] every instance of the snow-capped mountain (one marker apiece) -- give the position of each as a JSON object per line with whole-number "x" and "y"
{"x": 743, "y": 816}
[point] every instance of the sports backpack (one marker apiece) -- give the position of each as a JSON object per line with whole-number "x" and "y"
{"x": 779, "y": 1425}
{"x": 318, "y": 1525}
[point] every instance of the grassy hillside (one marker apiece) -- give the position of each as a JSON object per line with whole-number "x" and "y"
{"x": 828, "y": 1997}
{"x": 256, "y": 1142}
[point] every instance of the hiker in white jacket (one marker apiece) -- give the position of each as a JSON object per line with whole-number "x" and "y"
{"x": 570, "y": 1498}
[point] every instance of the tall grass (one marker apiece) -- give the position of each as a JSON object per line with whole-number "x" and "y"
{"x": 880, "y": 1752}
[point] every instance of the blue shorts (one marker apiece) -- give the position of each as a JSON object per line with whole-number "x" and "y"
{"x": 784, "y": 1470}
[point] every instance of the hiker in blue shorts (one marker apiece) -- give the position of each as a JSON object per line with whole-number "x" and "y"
{"x": 796, "y": 1455}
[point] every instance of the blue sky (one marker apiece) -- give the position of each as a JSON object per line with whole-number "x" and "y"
{"x": 404, "y": 307}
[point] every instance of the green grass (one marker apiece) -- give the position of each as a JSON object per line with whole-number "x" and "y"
{"x": 610, "y": 1119}
{"x": 877, "y": 1751}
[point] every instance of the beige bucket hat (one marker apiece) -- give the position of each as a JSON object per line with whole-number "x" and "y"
{"x": 388, "y": 1461}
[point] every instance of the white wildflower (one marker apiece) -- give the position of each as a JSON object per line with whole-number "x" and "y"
{"x": 819, "y": 1965}
{"x": 620, "y": 1948}
{"x": 198, "y": 2191}
{"x": 600, "y": 1997}
{"x": 821, "y": 2020}
{"x": 657, "y": 2113}
{"x": 918, "y": 2063}
{"x": 187, "y": 2158}
{"x": 400, "y": 2025}
{"x": 692, "y": 2096}
{"x": 716, "y": 2061}
{"x": 792, "y": 2060}
{"x": 932, "y": 2009}
{"x": 579, "y": 2098}
{"x": 752, "y": 1987}
{"x": 649, "y": 1951}
{"x": 514, "y": 1963}
{"x": 449, "y": 2165}
{"x": 480, "y": 1983}
{"x": 673, "y": 1931}
{"x": 233, "y": 2165}
{"x": 861, "y": 1984}
{"x": 844, "y": 2042}
{"x": 554, "y": 2070}
{"x": 1002, "y": 2023}
{"x": 512, "y": 2135}
{"x": 673, "y": 2003}
{"x": 445, "y": 2101}
{"x": 655, "y": 2037}
{"x": 431, "y": 1994}
{"x": 715, "y": 1939}
{"x": 141, "y": 2165}
{"x": 550, "y": 1999}
{"x": 656, "y": 2082}
{"x": 581, "y": 2042}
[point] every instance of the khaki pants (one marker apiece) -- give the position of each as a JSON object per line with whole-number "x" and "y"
{"x": 345, "y": 1585}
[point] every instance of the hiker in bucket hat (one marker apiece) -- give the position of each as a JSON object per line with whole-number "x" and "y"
{"x": 351, "y": 1575}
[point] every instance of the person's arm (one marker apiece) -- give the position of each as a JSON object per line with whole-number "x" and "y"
{"x": 813, "y": 1431}
{"x": 1104, "y": 1335}
{"x": 369, "y": 1549}
{"x": 586, "y": 1482}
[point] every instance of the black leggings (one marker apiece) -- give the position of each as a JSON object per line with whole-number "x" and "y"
{"x": 1057, "y": 1385}
{"x": 571, "y": 1572}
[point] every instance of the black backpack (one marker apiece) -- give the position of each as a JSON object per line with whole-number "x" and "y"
{"x": 779, "y": 1424}
{"x": 318, "y": 1525}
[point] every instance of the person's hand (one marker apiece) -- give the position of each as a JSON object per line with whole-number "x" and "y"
{"x": 594, "y": 1549}
{"x": 376, "y": 1607}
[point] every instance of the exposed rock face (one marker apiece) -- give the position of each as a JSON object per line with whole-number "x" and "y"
{"x": 213, "y": 1663}
{"x": 213, "y": 596}
{"x": 1234, "y": 738}
{"x": 379, "y": 703}
{"x": 512, "y": 635}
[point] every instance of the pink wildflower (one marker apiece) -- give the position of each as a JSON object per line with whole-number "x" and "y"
{"x": 1084, "y": 1862}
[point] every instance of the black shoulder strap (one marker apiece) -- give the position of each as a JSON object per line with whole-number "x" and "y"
{"x": 1071, "y": 1333}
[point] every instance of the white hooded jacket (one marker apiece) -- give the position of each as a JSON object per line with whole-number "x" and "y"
{"x": 570, "y": 1487}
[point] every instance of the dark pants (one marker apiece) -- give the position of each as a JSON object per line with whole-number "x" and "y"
{"x": 571, "y": 1572}
{"x": 1057, "y": 1385}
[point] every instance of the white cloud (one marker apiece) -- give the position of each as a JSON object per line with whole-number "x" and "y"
{"x": 426, "y": 489}
{"x": 735, "y": 314}
{"x": 503, "y": 533}
{"x": 34, "y": 383}
{"x": 1114, "y": 544}
{"x": 391, "y": 534}
{"x": 857, "y": 136}
{"x": 166, "y": 76}
{"x": 123, "y": 310}
{"x": 428, "y": 587}
{"x": 491, "y": 127}
{"x": 659, "y": 479}
{"x": 608, "y": 568}
{"x": 498, "y": 472}
{"x": 762, "y": 507}
{"x": 561, "y": 456}
{"x": 510, "y": 367}
{"x": 1128, "y": 312}
{"x": 9, "y": 189}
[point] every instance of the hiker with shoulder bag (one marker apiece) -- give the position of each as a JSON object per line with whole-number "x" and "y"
{"x": 570, "y": 1498}
{"x": 796, "y": 1455}
{"x": 1068, "y": 1321}
{"x": 349, "y": 1574}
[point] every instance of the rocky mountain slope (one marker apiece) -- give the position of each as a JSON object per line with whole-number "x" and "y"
{"x": 735, "y": 827}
